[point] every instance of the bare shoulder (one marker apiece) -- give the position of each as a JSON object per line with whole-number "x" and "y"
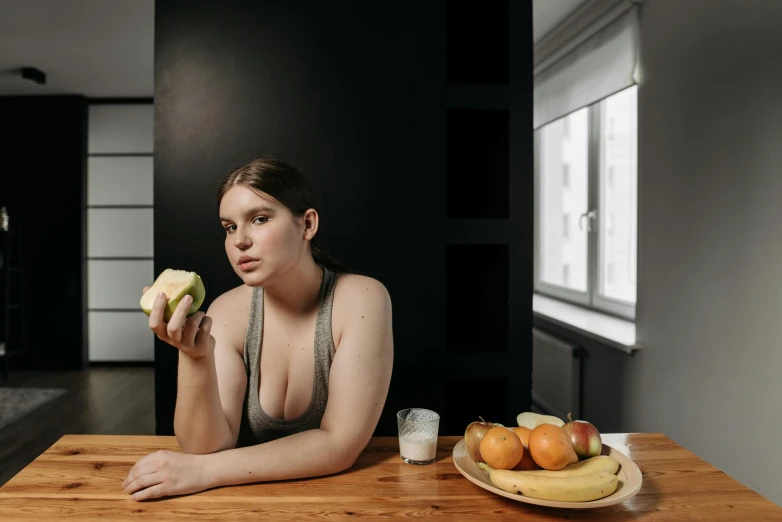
{"x": 355, "y": 291}
{"x": 230, "y": 313}
{"x": 358, "y": 298}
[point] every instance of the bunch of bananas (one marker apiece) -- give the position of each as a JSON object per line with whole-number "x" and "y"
{"x": 590, "y": 479}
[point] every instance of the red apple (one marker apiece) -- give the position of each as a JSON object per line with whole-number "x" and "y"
{"x": 585, "y": 438}
{"x": 473, "y": 435}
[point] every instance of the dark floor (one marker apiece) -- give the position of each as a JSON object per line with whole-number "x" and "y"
{"x": 107, "y": 400}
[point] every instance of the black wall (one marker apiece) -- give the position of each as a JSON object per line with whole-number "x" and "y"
{"x": 43, "y": 185}
{"x": 413, "y": 122}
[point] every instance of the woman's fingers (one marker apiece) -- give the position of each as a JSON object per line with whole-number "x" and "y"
{"x": 145, "y": 481}
{"x": 140, "y": 470}
{"x": 144, "y": 291}
{"x": 191, "y": 329}
{"x": 156, "y": 323}
{"x": 159, "y": 490}
{"x": 180, "y": 331}
{"x": 204, "y": 332}
{"x": 178, "y": 318}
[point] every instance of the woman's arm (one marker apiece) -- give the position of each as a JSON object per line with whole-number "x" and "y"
{"x": 358, "y": 385}
{"x": 211, "y": 385}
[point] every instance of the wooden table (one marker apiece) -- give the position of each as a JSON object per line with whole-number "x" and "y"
{"x": 80, "y": 477}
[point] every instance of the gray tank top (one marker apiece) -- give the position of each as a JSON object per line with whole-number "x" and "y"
{"x": 257, "y": 426}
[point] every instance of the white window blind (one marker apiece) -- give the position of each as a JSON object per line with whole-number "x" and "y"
{"x": 592, "y": 54}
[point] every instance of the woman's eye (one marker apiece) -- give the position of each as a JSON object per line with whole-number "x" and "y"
{"x": 263, "y": 219}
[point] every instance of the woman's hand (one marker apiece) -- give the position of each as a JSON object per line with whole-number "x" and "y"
{"x": 166, "y": 473}
{"x": 191, "y": 335}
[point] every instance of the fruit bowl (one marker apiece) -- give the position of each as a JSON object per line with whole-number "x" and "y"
{"x": 630, "y": 480}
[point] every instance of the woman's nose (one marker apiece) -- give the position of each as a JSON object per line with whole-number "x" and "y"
{"x": 241, "y": 240}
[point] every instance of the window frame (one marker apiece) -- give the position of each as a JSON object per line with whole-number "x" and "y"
{"x": 591, "y": 298}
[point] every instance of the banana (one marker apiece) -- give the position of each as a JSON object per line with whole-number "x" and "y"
{"x": 564, "y": 489}
{"x": 589, "y": 466}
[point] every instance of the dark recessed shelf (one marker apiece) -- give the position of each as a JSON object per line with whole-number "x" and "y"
{"x": 477, "y": 41}
{"x": 477, "y": 162}
{"x": 477, "y": 298}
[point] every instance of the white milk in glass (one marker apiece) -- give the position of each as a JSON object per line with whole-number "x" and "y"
{"x": 418, "y": 446}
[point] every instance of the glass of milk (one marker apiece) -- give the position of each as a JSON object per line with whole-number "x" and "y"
{"x": 417, "y": 435}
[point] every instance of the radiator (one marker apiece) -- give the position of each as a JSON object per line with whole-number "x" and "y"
{"x": 556, "y": 376}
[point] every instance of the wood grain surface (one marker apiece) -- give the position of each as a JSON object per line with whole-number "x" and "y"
{"x": 80, "y": 478}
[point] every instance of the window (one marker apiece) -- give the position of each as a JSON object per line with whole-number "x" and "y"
{"x": 593, "y": 262}
{"x": 556, "y": 250}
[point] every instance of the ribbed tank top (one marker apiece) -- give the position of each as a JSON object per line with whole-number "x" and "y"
{"x": 257, "y": 427}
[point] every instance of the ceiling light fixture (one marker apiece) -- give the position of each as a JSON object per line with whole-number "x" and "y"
{"x": 33, "y": 75}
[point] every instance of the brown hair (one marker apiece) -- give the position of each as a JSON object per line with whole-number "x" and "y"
{"x": 286, "y": 184}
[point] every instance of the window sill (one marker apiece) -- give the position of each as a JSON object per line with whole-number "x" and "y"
{"x": 611, "y": 331}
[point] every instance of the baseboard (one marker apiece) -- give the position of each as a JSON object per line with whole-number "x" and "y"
{"x": 122, "y": 364}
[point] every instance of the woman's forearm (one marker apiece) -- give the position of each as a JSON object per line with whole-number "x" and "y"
{"x": 199, "y": 421}
{"x": 306, "y": 454}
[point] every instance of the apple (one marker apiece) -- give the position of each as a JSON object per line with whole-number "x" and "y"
{"x": 473, "y": 435}
{"x": 585, "y": 438}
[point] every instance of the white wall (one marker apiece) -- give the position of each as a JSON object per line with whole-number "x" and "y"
{"x": 120, "y": 242}
{"x": 710, "y": 255}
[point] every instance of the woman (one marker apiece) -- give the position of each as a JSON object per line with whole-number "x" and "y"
{"x": 248, "y": 407}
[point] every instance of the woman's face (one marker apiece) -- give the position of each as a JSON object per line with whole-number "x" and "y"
{"x": 262, "y": 238}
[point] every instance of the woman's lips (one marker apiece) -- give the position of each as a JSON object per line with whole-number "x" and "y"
{"x": 248, "y": 265}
